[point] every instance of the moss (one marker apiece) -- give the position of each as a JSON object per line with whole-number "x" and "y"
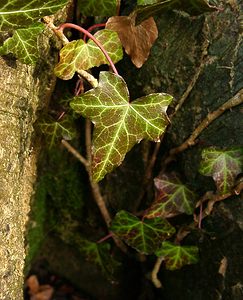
{"x": 36, "y": 226}
{"x": 58, "y": 201}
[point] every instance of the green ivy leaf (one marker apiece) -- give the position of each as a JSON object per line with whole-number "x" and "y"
{"x": 103, "y": 8}
{"x": 78, "y": 55}
{"x": 144, "y": 236}
{"x": 15, "y": 14}
{"x": 99, "y": 254}
{"x": 57, "y": 130}
{"x": 146, "y": 2}
{"x": 223, "y": 166}
{"x": 24, "y": 44}
{"x": 172, "y": 198}
{"x": 118, "y": 123}
{"x": 149, "y": 8}
{"x": 177, "y": 256}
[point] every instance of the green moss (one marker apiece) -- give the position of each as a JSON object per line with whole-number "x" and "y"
{"x": 58, "y": 201}
{"x": 36, "y": 226}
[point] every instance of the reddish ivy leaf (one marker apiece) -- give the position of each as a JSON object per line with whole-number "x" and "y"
{"x": 144, "y": 236}
{"x": 119, "y": 125}
{"x": 223, "y": 166}
{"x": 137, "y": 40}
{"x": 78, "y": 55}
{"x": 177, "y": 256}
{"x": 172, "y": 198}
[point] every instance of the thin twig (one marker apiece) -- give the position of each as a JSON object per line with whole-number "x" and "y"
{"x": 191, "y": 141}
{"x": 154, "y": 274}
{"x": 88, "y": 139}
{"x": 212, "y": 199}
{"x": 76, "y": 154}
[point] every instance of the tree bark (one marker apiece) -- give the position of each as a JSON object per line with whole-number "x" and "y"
{"x": 24, "y": 91}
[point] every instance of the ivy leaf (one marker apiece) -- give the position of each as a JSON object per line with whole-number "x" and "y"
{"x": 15, "y": 14}
{"x": 57, "y": 130}
{"x": 223, "y": 166}
{"x": 78, "y": 55}
{"x": 24, "y": 44}
{"x": 137, "y": 40}
{"x": 149, "y": 8}
{"x": 146, "y": 2}
{"x": 144, "y": 236}
{"x": 99, "y": 254}
{"x": 103, "y": 8}
{"x": 177, "y": 256}
{"x": 118, "y": 123}
{"x": 172, "y": 198}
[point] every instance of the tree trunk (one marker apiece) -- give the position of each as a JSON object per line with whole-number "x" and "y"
{"x": 24, "y": 90}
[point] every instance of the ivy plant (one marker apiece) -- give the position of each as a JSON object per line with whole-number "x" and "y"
{"x": 119, "y": 122}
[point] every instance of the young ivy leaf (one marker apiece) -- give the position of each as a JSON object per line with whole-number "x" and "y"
{"x": 177, "y": 256}
{"x": 99, "y": 254}
{"x": 103, "y": 8}
{"x": 223, "y": 166}
{"x": 24, "y": 44}
{"x": 137, "y": 40}
{"x": 149, "y": 8}
{"x": 118, "y": 123}
{"x": 172, "y": 198}
{"x": 57, "y": 130}
{"x": 15, "y": 14}
{"x": 144, "y": 236}
{"x": 78, "y": 55}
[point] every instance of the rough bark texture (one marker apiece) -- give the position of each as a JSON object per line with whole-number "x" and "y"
{"x": 24, "y": 90}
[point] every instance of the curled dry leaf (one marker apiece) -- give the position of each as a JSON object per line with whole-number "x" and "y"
{"x": 137, "y": 40}
{"x": 33, "y": 284}
{"x": 37, "y": 291}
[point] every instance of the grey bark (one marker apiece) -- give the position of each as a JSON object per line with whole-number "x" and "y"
{"x": 24, "y": 90}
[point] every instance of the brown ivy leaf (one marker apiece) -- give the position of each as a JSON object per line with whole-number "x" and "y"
{"x": 137, "y": 40}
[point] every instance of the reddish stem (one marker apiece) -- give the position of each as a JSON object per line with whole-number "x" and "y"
{"x": 105, "y": 238}
{"x": 84, "y": 31}
{"x": 92, "y": 28}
